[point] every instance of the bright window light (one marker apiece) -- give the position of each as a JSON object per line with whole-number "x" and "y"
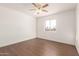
{"x": 50, "y": 25}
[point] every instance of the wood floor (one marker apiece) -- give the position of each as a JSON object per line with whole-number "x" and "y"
{"x": 38, "y": 47}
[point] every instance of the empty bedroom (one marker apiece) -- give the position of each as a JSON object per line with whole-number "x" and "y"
{"x": 39, "y": 29}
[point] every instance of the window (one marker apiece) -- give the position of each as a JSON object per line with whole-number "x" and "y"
{"x": 50, "y": 25}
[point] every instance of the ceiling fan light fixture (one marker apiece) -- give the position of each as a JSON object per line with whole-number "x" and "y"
{"x": 39, "y": 8}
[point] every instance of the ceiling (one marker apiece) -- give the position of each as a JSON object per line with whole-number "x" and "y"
{"x": 52, "y": 8}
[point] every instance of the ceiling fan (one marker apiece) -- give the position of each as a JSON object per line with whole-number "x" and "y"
{"x": 39, "y": 7}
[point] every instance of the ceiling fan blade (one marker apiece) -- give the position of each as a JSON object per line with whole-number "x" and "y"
{"x": 45, "y": 5}
{"x": 34, "y": 4}
{"x": 45, "y": 10}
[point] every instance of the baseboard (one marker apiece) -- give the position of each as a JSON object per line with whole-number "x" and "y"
{"x": 77, "y": 49}
{"x": 24, "y": 39}
{"x": 55, "y": 41}
{"x": 21, "y": 40}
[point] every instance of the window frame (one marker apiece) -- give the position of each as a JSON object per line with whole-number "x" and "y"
{"x": 50, "y": 28}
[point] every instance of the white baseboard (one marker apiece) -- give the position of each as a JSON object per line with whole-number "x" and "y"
{"x": 55, "y": 41}
{"x": 14, "y": 42}
{"x": 77, "y": 49}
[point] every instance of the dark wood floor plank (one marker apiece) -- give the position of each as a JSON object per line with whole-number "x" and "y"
{"x": 39, "y": 47}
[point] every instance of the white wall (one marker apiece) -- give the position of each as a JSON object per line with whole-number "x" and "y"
{"x": 65, "y": 27}
{"x": 15, "y": 26}
{"x": 77, "y": 28}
